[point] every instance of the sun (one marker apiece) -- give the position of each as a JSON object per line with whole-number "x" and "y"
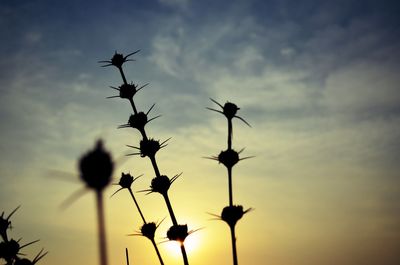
{"x": 192, "y": 243}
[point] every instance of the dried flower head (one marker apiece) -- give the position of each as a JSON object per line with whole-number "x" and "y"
{"x": 229, "y": 110}
{"x": 5, "y": 224}
{"x": 139, "y": 120}
{"x": 228, "y": 158}
{"x": 9, "y": 249}
{"x": 118, "y": 59}
{"x": 148, "y": 147}
{"x": 96, "y": 167}
{"x": 232, "y": 214}
{"x": 148, "y": 230}
{"x": 125, "y": 182}
{"x": 127, "y": 91}
{"x": 178, "y": 233}
{"x": 162, "y": 184}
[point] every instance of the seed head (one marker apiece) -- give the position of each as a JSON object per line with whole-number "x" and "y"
{"x": 5, "y": 224}
{"x": 148, "y": 230}
{"x": 127, "y": 91}
{"x": 232, "y": 214}
{"x": 9, "y": 249}
{"x": 118, "y": 59}
{"x": 138, "y": 120}
{"x": 96, "y": 167}
{"x": 149, "y": 147}
{"x": 229, "y": 110}
{"x": 126, "y": 180}
{"x": 228, "y": 157}
{"x": 178, "y": 233}
{"x": 160, "y": 184}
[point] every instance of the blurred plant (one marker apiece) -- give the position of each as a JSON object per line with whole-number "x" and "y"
{"x": 231, "y": 214}
{"x": 10, "y": 248}
{"x": 96, "y": 168}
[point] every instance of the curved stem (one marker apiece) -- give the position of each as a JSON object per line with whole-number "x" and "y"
{"x": 157, "y": 251}
{"x": 101, "y": 228}
{"x": 234, "y": 252}
{"x": 184, "y": 255}
{"x": 137, "y": 205}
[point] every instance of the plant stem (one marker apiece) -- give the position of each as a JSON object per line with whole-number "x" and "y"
{"x": 137, "y": 205}
{"x": 170, "y": 210}
{"x": 157, "y": 172}
{"x": 184, "y": 255}
{"x": 127, "y": 256}
{"x": 157, "y": 251}
{"x": 230, "y": 132}
{"x": 101, "y": 227}
{"x": 234, "y": 252}
{"x": 230, "y": 186}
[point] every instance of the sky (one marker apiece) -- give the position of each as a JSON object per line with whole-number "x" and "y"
{"x": 317, "y": 80}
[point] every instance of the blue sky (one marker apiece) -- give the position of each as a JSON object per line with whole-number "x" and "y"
{"x": 318, "y": 81}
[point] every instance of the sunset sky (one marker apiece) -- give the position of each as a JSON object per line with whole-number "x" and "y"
{"x": 319, "y": 81}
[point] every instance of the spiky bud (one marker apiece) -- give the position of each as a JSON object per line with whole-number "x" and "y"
{"x": 228, "y": 157}
{"x": 148, "y": 230}
{"x": 126, "y": 180}
{"x": 149, "y": 147}
{"x": 178, "y": 233}
{"x": 9, "y": 249}
{"x": 160, "y": 184}
{"x": 138, "y": 120}
{"x": 232, "y": 214}
{"x": 96, "y": 167}
{"x": 127, "y": 91}
{"x": 230, "y": 110}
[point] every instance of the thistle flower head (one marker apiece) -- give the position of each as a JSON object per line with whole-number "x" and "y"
{"x": 96, "y": 167}
{"x": 138, "y": 120}
{"x": 178, "y": 233}
{"x": 9, "y": 249}
{"x": 162, "y": 184}
{"x": 148, "y": 230}
{"x": 118, "y": 59}
{"x": 228, "y": 157}
{"x": 149, "y": 147}
{"x": 5, "y": 223}
{"x": 229, "y": 110}
{"x": 126, "y": 180}
{"x": 232, "y": 214}
{"x": 127, "y": 91}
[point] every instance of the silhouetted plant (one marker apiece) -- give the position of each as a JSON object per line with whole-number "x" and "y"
{"x": 231, "y": 214}
{"x": 10, "y": 248}
{"x": 147, "y": 230}
{"x": 96, "y": 169}
{"x": 148, "y": 147}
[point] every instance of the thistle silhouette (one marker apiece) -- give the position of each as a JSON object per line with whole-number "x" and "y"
{"x": 148, "y": 147}
{"x": 10, "y": 248}
{"x": 231, "y": 214}
{"x": 96, "y": 169}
